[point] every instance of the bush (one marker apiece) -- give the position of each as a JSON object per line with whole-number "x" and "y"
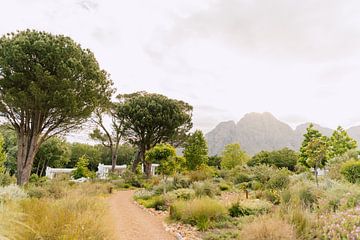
{"x": 200, "y": 212}
{"x": 11, "y": 193}
{"x": 143, "y": 194}
{"x": 272, "y": 196}
{"x": 131, "y": 178}
{"x": 205, "y": 189}
{"x": 241, "y": 178}
{"x": 268, "y": 228}
{"x": 351, "y": 171}
{"x": 280, "y": 180}
{"x": 181, "y": 194}
{"x": 5, "y": 179}
{"x": 236, "y": 210}
{"x": 223, "y": 186}
{"x": 156, "y": 202}
{"x": 202, "y": 173}
{"x": 181, "y": 181}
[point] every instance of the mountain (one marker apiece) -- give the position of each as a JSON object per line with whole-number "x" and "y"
{"x": 262, "y": 131}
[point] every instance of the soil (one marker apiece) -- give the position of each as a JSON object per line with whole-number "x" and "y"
{"x": 133, "y": 223}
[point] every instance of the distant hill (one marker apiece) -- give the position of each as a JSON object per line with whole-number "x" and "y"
{"x": 262, "y": 131}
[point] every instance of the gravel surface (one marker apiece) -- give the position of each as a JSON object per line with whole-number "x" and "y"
{"x": 132, "y": 222}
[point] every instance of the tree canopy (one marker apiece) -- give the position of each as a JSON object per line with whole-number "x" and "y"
{"x": 48, "y": 85}
{"x": 311, "y": 134}
{"x": 284, "y": 158}
{"x": 150, "y": 119}
{"x": 340, "y": 142}
{"x": 196, "y": 150}
{"x": 233, "y": 156}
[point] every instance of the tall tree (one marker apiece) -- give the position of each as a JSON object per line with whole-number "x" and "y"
{"x": 317, "y": 154}
{"x": 311, "y": 134}
{"x": 54, "y": 152}
{"x": 2, "y": 155}
{"x": 165, "y": 156}
{"x": 233, "y": 156}
{"x": 196, "y": 150}
{"x": 48, "y": 85}
{"x": 340, "y": 142}
{"x": 109, "y": 136}
{"x": 150, "y": 119}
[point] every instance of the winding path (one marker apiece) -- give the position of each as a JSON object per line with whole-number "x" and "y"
{"x": 132, "y": 222}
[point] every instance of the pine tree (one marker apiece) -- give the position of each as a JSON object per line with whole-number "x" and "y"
{"x": 196, "y": 150}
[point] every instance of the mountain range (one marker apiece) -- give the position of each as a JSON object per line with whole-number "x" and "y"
{"x": 262, "y": 131}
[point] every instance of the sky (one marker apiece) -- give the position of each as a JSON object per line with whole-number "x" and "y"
{"x": 299, "y": 60}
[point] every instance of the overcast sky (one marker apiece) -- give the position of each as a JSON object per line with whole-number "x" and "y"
{"x": 299, "y": 60}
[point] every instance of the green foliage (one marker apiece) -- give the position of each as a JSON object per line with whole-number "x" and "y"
{"x": 233, "y": 156}
{"x": 2, "y": 155}
{"x": 202, "y": 173}
{"x": 351, "y": 171}
{"x": 157, "y": 202}
{"x": 51, "y": 79}
{"x": 149, "y": 119}
{"x": 340, "y": 142}
{"x": 284, "y": 158}
{"x": 55, "y": 153}
{"x": 92, "y": 153}
{"x": 279, "y": 180}
{"x": 205, "y": 188}
{"x": 196, "y": 150}
{"x": 131, "y": 178}
{"x": 165, "y": 155}
{"x": 200, "y": 212}
{"x": 249, "y": 207}
{"x": 82, "y": 169}
{"x": 310, "y": 135}
{"x": 317, "y": 154}
{"x": 214, "y": 161}
{"x": 9, "y": 146}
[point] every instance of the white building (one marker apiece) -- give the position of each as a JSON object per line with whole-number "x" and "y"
{"x": 103, "y": 170}
{"x": 52, "y": 172}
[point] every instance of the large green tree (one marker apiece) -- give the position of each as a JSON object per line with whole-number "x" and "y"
{"x": 233, "y": 156}
{"x": 340, "y": 142}
{"x": 311, "y": 134}
{"x": 108, "y": 136}
{"x": 49, "y": 84}
{"x": 196, "y": 150}
{"x": 317, "y": 154}
{"x": 150, "y": 119}
{"x": 54, "y": 152}
{"x": 284, "y": 158}
{"x": 165, "y": 156}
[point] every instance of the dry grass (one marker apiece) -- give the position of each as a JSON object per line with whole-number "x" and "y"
{"x": 268, "y": 228}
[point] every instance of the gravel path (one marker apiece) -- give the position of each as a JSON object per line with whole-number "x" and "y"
{"x": 133, "y": 223}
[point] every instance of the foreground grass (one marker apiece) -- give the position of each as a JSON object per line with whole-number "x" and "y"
{"x": 72, "y": 212}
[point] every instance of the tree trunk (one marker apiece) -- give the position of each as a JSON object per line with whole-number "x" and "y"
{"x": 114, "y": 156}
{"x": 147, "y": 166}
{"x": 316, "y": 176}
{"x": 27, "y": 148}
{"x": 137, "y": 160}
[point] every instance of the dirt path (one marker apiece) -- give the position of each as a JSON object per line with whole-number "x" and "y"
{"x": 132, "y": 222}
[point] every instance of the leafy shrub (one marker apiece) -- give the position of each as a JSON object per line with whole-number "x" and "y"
{"x": 200, "y": 212}
{"x": 181, "y": 181}
{"x": 5, "y": 179}
{"x": 241, "y": 178}
{"x": 236, "y": 210}
{"x": 268, "y": 228}
{"x": 82, "y": 169}
{"x": 131, "y": 178}
{"x": 284, "y": 158}
{"x": 143, "y": 194}
{"x": 223, "y": 186}
{"x": 205, "y": 188}
{"x": 351, "y": 171}
{"x": 159, "y": 189}
{"x": 182, "y": 194}
{"x": 157, "y": 202}
{"x": 11, "y": 193}
{"x": 280, "y": 180}
{"x": 201, "y": 174}
{"x": 272, "y": 196}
